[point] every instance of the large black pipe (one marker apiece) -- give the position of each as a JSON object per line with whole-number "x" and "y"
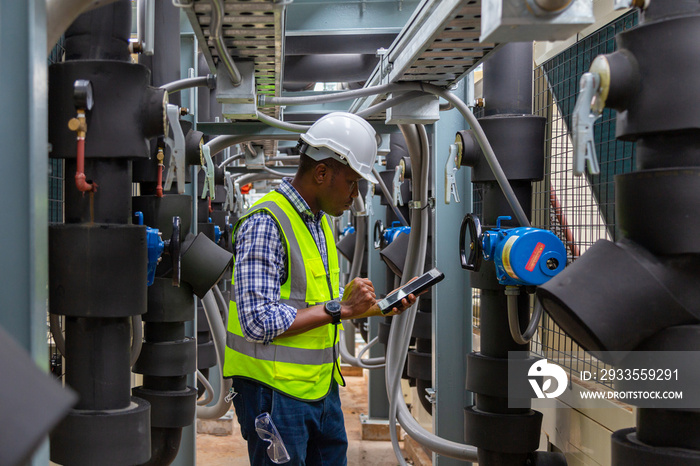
{"x": 518, "y": 141}
{"x": 656, "y": 208}
{"x": 97, "y": 273}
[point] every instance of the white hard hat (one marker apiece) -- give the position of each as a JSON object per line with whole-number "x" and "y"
{"x": 345, "y": 137}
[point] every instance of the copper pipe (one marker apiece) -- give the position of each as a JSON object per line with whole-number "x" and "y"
{"x": 79, "y": 125}
{"x": 159, "y": 183}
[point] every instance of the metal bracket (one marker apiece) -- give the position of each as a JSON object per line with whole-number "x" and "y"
{"x": 583, "y": 119}
{"x": 254, "y": 157}
{"x": 431, "y": 395}
{"x": 450, "y": 170}
{"x": 396, "y": 186}
{"x": 208, "y": 167}
{"x": 368, "y": 200}
{"x": 176, "y": 144}
{"x": 229, "y": 203}
{"x": 240, "y": 205}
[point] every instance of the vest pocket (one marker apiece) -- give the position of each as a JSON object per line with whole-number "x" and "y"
{"x": 316, "y": 281}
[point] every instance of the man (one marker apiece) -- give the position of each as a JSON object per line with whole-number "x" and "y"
{"x": 282, "y": 339}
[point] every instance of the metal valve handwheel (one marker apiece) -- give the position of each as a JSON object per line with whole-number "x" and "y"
{"x": 473, "y": 261}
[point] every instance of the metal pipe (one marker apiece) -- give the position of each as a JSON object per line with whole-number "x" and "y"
{"x": 217, "y": 12}
{"x": 232, "y": 159}
{"x": 208, "y": 81}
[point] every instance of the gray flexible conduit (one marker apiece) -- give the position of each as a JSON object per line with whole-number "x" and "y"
{"x": 218, "y": 333}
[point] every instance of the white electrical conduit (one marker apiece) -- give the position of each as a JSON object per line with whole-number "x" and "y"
{"x": 431, "y": 89}
{"x": 275, "y": 172}
{"x": 136, "y": 339}
{"x": 275, "y": 123}
{"x": 60, "y": 14}
{"x": 402, "y": 328}
{"x": 389, "y": 198}
{"x": 223, "y": 305}
{"x": 369, "y": 363}
{"x": 232, "y": 159}
{"x": 514, "y": 320}
{"x": 215, "y": 29}
{"x": 187, "y": 83}
{"x": 380, "y": 107}
{"x": 220, "y": 143}
{"x": 208, "y": 389}
{"x": 218, "y": 333}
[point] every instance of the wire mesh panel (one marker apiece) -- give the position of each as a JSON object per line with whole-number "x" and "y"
{"x": 56, "y": 175}
{"x": 580, "y": 210}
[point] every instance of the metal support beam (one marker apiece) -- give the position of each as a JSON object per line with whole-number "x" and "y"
{"x": 23, "y": 180}
{"x": 451, "y": 313}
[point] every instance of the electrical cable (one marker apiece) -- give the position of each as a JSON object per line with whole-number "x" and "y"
{"x": 389, "y": 198}
{"x": 514, "y": 319}
{"x": 136, "y": 339}
{"x": 223, "y": 305}
{"x": 274, "y": 122}
{"x": 187, "y": 83}
{"x": 431, "y": 89}
{"x": 218, "y": 333}
{"x": 215, "y": 27}
{"x": 380, "y": 107}
{"x": 369, "y": 363}
{"x": 208, "y": 389}
{"x": 220, "y": 143}
{"x": 275, "y": 172}
{"x": 232, "y": 159}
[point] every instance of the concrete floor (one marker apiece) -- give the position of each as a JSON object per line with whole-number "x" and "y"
{"x": 230, "y": 450}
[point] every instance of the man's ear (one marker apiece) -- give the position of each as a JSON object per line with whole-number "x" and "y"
{"x": 321, "y": 172}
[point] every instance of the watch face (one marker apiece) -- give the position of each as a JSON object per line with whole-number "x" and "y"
{"x": 333, "y": 306}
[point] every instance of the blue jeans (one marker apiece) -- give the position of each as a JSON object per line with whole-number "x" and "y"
{"x": 313, "y": 432}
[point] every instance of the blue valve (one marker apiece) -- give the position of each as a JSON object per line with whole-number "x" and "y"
{"x": 348, "y": 230}
{"x": 524, "y": 255}
{"x": 155, "y": 246}
{"x": 217, "y": 234}
{"x": 393, "y": 232}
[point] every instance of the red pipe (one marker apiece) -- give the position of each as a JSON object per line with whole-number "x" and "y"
{"x": 568, "y": 234}
{"x": 80, "y": 182}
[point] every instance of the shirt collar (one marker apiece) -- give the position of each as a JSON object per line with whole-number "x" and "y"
{"x": 300, "y": 205}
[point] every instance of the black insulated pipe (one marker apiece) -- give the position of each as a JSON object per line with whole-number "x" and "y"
{"x": 517, "y": 138}
{"x": 653, "y": 305}
{"x": 101, "y": 34}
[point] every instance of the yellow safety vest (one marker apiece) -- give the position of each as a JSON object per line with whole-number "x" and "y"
{"x": 301, "y": 366}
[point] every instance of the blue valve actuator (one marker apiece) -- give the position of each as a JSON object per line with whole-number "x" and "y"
{"x": 393, "y": 232}
{"x": 348, "y": 230}
{"x": 155, "y": 246}
{"x": 217, "y": 234}
{"x": 524, "y": 255}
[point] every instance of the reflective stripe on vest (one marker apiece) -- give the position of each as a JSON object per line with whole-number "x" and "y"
{"x": 300, "y": 366}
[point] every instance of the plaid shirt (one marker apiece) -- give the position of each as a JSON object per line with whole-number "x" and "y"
{"x": 261, "y": 268}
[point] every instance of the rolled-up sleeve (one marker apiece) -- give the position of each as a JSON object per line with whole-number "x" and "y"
{"x": 260, "y": 262}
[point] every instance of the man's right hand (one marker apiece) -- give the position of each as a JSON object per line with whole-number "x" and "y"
{"x": 358, "y": 298}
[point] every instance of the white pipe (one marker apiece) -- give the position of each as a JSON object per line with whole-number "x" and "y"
{"x": 136, "y": 338}
{"x": 218, "y": 333}
{"x": 208, "y": 389}
{"x": 389, "y": 198}
{"x": 188, "y": 83}
{"x": 220, "y": 143}
{"x": 275, "y": 123}
{"x": 60, "y": 14}
{"x": 215, "y": 29}
{"x": 369, "y": 363}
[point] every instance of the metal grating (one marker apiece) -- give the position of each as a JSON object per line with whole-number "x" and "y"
{"x": 580, "y": 210}
{"x": 439, "y": 45}
{"x": 454, "y": 52}
{"x": 252, "y": 31}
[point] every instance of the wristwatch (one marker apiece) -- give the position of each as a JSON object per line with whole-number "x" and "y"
{"x": 332, "y": 308}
